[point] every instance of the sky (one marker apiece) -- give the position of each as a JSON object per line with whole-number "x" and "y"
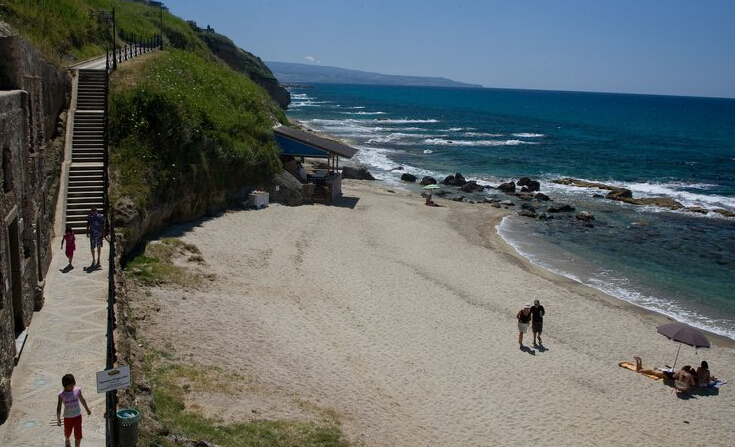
{"x": 668, "y": 47}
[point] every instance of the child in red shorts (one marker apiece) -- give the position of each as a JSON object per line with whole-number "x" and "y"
{"x": 71, "y": 396}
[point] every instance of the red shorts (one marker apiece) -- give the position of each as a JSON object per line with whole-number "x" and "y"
{"x": 73, "y": 424}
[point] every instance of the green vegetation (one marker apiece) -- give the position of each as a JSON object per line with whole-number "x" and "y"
{"x": 155, "y": 265}
{"x": 67, "y": 30}
{"x": 172, "y": 383}
{"x": 188, "y": 125}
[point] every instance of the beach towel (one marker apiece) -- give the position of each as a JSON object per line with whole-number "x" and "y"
{"x": 630, "y": 366}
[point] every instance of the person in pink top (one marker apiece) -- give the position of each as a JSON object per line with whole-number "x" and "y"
{"x": 71, "y": 397}
{"x": 71, "y": 245}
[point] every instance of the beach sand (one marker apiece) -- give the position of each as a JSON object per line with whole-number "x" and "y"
{"x": 400, "y": 319}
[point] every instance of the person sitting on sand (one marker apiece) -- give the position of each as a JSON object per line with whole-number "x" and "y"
{"x": 704, "y": 377}
{"x": 685, "y": 374}
{"x": 430, "y": 202}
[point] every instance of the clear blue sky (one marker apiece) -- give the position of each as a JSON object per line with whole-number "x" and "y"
{"x": 677, "y": 47}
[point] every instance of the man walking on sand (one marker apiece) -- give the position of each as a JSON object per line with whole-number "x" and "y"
{"x": 95, "y": 232}
{"x": 537, "y": 320}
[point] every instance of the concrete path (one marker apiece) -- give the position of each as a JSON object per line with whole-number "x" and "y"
{"x": 67, "y": 336}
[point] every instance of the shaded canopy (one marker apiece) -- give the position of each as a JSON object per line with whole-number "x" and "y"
{"x": 683, "y": 333}
{"x": 298, "y": 143}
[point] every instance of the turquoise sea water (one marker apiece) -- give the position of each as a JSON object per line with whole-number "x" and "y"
{"x": 678, "y": 263}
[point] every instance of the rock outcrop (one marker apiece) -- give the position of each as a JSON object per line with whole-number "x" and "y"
{"x": 359, "y": 173}
{"x": 622, "y": 194}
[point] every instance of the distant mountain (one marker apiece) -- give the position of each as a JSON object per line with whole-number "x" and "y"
{"x": 293, "y": 73}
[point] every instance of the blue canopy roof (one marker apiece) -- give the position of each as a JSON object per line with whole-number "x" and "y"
{"x": 304, "y": 144}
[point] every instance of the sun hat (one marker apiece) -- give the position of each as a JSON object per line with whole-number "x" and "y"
{"x": 527, "y": 306}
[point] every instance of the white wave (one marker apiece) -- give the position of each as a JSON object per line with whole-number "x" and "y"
{"x": 308, "y": 103}
{"x": 393, "y": 137}
{"x": 406, "y": 121}
{"x": 481, "y": 135}
{"x": 363, "y": 113}
{"x": 428, "y": 151}
{"x": 528, "y": 135}
{"x": 444, "y": 142}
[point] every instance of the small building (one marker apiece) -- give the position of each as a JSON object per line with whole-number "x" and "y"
{"x": 322, "y": 185}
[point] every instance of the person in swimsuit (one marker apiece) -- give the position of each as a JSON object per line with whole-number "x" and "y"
{"x": 685, "y": 375}
{"x": 524, "y": 320}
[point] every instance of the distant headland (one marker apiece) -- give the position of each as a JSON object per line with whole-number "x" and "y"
{"x": 295, "y": 73}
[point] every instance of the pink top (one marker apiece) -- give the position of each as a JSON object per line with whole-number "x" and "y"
{"x": 71, "y": 402}
{"x": 70, "y": 241}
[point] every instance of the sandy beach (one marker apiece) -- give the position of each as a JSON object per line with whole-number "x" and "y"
{"x": 400, "y": 319}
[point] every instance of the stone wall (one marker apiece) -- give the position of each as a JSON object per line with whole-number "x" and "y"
{"x": 33, "y": 97}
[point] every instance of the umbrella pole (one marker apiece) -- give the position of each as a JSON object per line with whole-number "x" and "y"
{"x": 676, "y": 358}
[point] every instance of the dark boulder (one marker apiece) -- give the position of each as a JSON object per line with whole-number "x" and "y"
{"x": 428, "y": 181}
{"x": 357, "y": 173}
{"x": 585, "y": 216}
{"x": 561, "y": 208}
{"x": 508, "y": 188}
{"x": 533, "y": 185}
{"x": 541, "y": 197}
{"x": 408, "y": 177}
{"x": 527, "y": 213}
{"x": 472, "y": 187}
{"x": 523, "y": 181}
{"x": 620, "y": 194}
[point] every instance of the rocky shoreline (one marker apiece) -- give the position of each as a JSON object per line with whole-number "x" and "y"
{"x": 525, "y": 193}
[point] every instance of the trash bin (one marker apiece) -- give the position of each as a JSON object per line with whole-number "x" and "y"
{"x": 127, "y": 427}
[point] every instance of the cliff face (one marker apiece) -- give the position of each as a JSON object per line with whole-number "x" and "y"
{"x": 246, "y": 63}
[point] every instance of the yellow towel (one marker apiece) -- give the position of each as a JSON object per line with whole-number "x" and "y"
{"x": 630, "y": 366}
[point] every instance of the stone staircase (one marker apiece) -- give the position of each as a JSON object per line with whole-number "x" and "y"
{"x": 86, "y": 173}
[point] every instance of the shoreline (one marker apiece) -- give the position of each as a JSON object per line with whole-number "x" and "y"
{"x": 659, "y": 318}
{"x": 714, "y": 338}
{"x": 400, "y": 319}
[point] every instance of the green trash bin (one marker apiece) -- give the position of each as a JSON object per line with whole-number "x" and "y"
{"x": 127, "y": 427}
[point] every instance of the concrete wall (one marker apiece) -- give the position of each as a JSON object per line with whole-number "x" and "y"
{"x": 33, "y": 97}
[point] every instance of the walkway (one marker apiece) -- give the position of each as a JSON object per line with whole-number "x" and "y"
{"x": 66, "y": 336}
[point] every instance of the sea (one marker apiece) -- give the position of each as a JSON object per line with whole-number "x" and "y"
{"x": 677, "y": 263}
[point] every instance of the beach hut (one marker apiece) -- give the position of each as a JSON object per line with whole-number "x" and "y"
{"x": 298, "y": 144}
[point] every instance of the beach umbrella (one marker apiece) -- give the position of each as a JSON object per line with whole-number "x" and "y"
{"x": 683, "y": 334}
{"x": 431, "y": 187}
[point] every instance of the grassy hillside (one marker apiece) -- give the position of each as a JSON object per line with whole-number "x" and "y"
{"x": 181, "y": 123}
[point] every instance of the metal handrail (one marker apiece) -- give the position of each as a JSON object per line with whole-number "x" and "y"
{"x": 111, "y": 355}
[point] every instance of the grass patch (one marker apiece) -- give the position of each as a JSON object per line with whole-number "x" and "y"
{"x": 155, "y": 266}
{"x": 172, "y": 382}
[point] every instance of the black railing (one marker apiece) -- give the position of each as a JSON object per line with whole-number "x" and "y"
{"x": 133, "y": 49}
{"x": 111, "y": 354}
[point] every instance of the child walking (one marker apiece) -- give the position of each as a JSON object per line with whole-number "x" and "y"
{"x": 71, "y": 396}
{"x": 71, "y": 245}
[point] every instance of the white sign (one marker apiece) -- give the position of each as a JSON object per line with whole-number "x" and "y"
{"x": 113, "y": 379}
